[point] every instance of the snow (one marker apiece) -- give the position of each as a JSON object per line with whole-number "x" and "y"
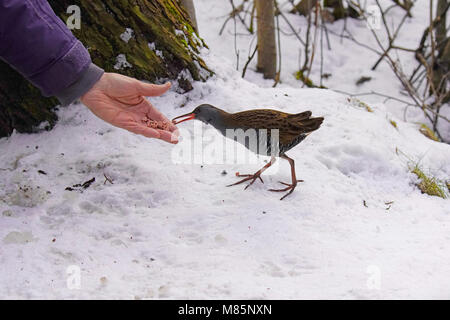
{"x": 127, "y": 35}
{"x": 121, "y": 62}
{"x": 152, "y": 47}
{"x": 356, "y": 228}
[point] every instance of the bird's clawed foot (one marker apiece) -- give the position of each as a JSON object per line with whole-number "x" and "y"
{"x": 290, "y": 188}
{"x": 248, "y": 177}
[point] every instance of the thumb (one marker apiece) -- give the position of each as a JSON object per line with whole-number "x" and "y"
{"x": 152, "y": 90}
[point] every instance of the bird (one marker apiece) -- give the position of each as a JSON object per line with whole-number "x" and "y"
{"x": 292, "y": 129}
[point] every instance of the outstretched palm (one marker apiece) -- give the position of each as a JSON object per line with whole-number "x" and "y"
{"x": 120, "y": 100}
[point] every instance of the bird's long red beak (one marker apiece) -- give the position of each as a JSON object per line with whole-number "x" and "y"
{"x": 184, "y": 117}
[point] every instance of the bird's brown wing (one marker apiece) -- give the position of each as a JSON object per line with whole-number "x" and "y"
{"x": 300, "y": 116}
{"x": 291, "y": 126}
{"x": 258, "y": 119}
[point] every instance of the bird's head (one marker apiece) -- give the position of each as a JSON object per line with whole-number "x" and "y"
{"x": 204, "y": 112}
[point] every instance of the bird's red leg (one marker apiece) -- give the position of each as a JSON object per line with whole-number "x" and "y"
{"x": 290, "y": 186}
{"x": 253, "y": 177}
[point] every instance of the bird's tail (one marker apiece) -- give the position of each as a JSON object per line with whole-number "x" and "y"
{"x": 305, "y": 121}
{"x": 312, "y": 124}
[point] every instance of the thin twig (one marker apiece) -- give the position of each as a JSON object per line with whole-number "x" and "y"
{"x": 248, "y": 61}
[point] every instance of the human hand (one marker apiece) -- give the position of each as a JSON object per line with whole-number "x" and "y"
{"x": 120, "y": 101}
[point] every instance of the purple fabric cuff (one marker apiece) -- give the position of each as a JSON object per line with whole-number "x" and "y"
{"x": 86, "y": 81}
{"x": 63, "y": 72}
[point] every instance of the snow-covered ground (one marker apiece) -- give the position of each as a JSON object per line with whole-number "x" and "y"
{"x": 356, "y": 228}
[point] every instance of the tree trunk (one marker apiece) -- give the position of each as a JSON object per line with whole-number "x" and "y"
{"x": 339, "y": 11}
{"x": 155, "y": 36}
{"x": 304, "y": 7}
{"x": 442, "y": 66}
{"x": 267, "y": 51}
{"x": 188, "y": 5}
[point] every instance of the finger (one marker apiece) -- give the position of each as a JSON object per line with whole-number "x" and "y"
{"x": 171, "y": 137}
{"x": 152, "y": 90}
{"x": 173, "y": 128}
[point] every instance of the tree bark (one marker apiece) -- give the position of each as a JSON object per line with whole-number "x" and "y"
{"x": 267, "y": 51}
{"x": 442, "y": 63}
{"x": 190, "y": 9}
{"x": 163, "y": 45}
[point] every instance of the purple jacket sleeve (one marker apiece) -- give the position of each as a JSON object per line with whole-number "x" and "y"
{"x": 38, "y": 44}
